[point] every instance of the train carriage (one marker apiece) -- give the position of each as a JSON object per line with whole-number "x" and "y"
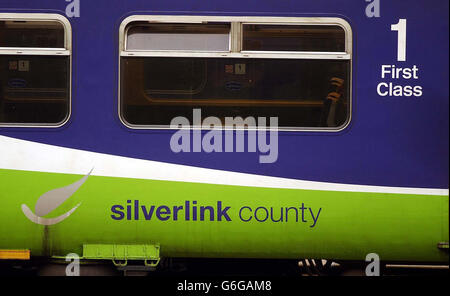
{"x": 136, "y": 130}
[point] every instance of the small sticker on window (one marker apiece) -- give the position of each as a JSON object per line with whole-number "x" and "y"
{"x": 17, "y": 83}
{"x": 24, "y": 66}
{"x": 233, "y": 85}
{"x": 229, "y": 69}
{"x": 12, "y": 65}
{"x": 239, "y": 69}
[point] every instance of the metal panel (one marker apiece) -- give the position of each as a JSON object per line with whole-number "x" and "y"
{"x": 120, "y": 252}
{"x": 14, "y": 254}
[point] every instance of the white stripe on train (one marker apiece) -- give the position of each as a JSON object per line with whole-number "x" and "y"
{"x": 24, "y": 155}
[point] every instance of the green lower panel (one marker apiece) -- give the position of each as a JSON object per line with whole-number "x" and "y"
{"x": 299, "y": 224}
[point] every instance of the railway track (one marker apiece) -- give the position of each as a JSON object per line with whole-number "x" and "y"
{"x": 227, "y": 268}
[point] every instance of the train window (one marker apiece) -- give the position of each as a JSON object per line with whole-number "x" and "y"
{"x": 304, "y": 78}
{"x": 35, "y": 70}
{"x": 43, "y": 34}
{"x": 293, "y": 38}
{"x": 173, "y": 36}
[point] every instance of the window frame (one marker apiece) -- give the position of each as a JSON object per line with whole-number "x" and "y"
{"x": 33, "y": 51}
{"x": 236, "y": 39}
{"x": 176, "y": 50}
{"x": 343, "y": 54}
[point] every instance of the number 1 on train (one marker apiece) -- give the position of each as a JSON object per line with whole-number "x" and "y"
{"x": 400, "y": 27}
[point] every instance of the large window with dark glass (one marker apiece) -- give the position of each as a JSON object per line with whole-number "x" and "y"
{"x": 300, "y": 73}
{"x": 35, "y": 67}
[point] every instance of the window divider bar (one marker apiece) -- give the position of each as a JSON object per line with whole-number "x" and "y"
{"x": 270, "y": 55}
{"x": 236, "y": 37}
{"x": 43, "y": 52}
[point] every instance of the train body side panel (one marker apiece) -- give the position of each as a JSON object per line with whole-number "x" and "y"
{"x": 395, "y": 148}
{"x": 259, "y": 222}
